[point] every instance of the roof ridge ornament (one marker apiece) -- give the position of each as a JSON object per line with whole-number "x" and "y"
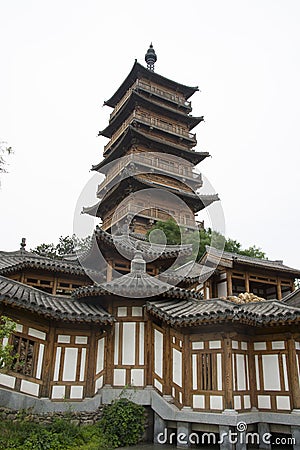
{"x": 23, "y": 245}
{"x": 150, "y": 58}
{"x": 138, "y": 264}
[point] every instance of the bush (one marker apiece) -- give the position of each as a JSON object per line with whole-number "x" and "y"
{"x": 123, "y": 422}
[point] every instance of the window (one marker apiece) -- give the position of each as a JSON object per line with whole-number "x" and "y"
{"x": 26, "y": 350}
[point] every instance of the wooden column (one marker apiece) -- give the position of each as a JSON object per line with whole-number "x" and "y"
{"x": 252, "y": 376}
{"x": 293, "y": 373}
{"x": 228, "y": 375}
{"x": 279, "y": 293}
{"x": 187, "y": 371}
{"x": 229, "y": 283}
{"x": 91, "y": 361}
{"x": 49, "y": 361}
{"x": 247, "y": 284}
{"x": 55, "y": 281}
{"x": 110, "y": 336}
{"x": 167, "y": 372}
{"x": 149, "y": 352}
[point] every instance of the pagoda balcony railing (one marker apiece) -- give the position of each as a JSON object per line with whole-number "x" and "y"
{"x": 152, "y": 122}
{"x": 149, "y": 213}
{"x": 153, "y": 90}
{"x": 152, "y": 162}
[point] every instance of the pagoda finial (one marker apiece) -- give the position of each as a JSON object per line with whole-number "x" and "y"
{"x": 138, "y": 263}
{"x": 150, "y": 58}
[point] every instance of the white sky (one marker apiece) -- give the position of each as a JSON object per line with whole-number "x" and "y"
{"x": 61, "y": 59}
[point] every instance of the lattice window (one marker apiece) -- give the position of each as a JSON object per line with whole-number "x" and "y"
{"x": 25, "y": 351}
{"x": 208, "y": 372}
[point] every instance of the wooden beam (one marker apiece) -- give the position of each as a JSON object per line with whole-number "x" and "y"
{"x": 167, "y": 370}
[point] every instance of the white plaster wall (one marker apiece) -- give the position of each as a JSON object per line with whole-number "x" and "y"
{"x": 70, "y": 364}
{"x": 82, "y": 364}
{"x": 264, "y": 401}
{"x": 271, "y": 374}
{"x": 222, "y": 289}
{"x": 241, "y": 372}
{"x": 58, "y": 392}
{"x": 81, "y": 340}
{"x": 216, "y": 402}
{"x": 119, "y": 377}
{"x": 219, "y": 372}
{"x": 30, "y": 388}
{"x": 158, "y": 353}
{"x": 98, "y": 383}
{"x": 40, "y": 361}
{"x": 199, "y": 401}
{"x": 194, "y": 369}
{"x": 57, "y": 364}
{"x": 128, "y": 344}
{"x": 177, "y": 367}
{"x": 117, "y": 337}
{"x": 7, "y": 380}
{"x": 142, "y": 344}
{"x": 63, "y": 339}
{"x": 37, "y": 333}
{"x": 76, "y": 392}
{"x": 100, "y": 356}
{"x": 283, "y": 402}
{"x": 137, "y": 377}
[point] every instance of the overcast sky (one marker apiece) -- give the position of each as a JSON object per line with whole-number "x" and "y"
{"x": 61, "y": 59}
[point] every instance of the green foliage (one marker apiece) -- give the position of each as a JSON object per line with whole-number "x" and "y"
{"x": 202, "y": 238}
{"x": 62, "y": 434}
{"x": 67, "y": 245}
{"x": 124, "y": 422}
{"x": 7, "y": 327}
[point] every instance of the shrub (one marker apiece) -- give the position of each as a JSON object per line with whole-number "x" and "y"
{"x": 123, "y": 422}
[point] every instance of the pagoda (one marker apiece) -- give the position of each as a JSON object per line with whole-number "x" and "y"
{"x": 149, "y": 159}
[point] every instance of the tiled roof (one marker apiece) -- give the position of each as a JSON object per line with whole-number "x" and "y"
{"x": 15, "y": 294}
{"x": 293, "y": 298}
{"x": 117, "y": 148}
{"x": 138, "y": 71}
{"x": 213, "y": 255}
{"x": 194, "y": 313}
{"x": 190, "y": 271}
{"x": 150, "y": 251}
{"x": 13, "y": 261}
{"x": 136, "y": 284}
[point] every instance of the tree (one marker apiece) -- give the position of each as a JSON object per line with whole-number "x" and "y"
{"x": 4, "y": 151}
{"x": 67, "y": 245}
{"x": 7, "y": 327}
{"x": 202, "y": 238}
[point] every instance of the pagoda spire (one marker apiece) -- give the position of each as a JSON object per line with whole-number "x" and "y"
{"x": 150, "y": 58}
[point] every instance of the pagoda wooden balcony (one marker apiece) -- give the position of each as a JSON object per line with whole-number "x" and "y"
{"x": 149, "y": 213}
{"x": 151, "y": 162}
{"x": 176, "y": 99}
{"x": 153, "y": 122}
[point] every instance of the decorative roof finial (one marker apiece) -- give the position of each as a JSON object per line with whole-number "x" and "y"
{"x": 23, "y": 245}
{"x": 138, "y": 263}
{"x": 150, "y": 58}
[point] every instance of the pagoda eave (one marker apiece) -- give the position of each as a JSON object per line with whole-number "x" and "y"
{"x": 152, "y": 142}
{"x": 137, "y": 70}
